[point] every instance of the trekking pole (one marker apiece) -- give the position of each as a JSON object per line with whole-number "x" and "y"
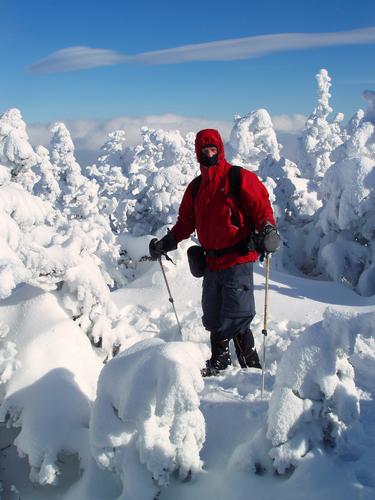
{"x": 170, "y": 295}
{"x": 264, "y": 331}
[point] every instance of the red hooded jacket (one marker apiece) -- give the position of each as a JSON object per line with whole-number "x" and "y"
{"x": 210, "y": 212}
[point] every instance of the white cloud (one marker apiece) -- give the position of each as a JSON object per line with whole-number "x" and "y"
{"x": 74, "y": 58}
{"x": 89, "y": 135}
{"x": 289, "y": 123}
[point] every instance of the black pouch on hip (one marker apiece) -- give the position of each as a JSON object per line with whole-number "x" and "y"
{"x": 197, "y": 260}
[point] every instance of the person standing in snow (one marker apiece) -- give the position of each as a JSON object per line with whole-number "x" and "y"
{"x": 232, "y": 232}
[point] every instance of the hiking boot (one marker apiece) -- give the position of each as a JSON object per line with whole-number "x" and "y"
{"x": 245, "y": 350}
{"x": 220, "y": 358}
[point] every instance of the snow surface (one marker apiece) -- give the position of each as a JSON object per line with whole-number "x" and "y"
{"x": 153, "y": 386}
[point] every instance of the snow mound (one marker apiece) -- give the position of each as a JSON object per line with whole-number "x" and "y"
{"x": 314, "y": 403}
{"x": 49, "y": 394}
{"x": 147, "y": 418}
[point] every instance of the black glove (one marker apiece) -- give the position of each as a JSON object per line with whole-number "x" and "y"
{"x": 268, "y": 240}
{"x": 157, "y": 248}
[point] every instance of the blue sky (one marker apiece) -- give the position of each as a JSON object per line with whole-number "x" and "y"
{"x": 282, "y": 82}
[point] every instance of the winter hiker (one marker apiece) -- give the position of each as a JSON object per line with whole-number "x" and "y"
{"x": 230, "y": 210}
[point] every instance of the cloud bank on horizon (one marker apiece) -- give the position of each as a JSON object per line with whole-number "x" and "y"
{"x": 78, "y": 58}
{"x": 89, "y": 134}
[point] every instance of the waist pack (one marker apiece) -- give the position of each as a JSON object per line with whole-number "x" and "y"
{"x": 197, "y": 260}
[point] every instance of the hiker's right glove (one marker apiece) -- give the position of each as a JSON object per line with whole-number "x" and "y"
{"x": 268, "y": 240}
{"x": 157, "y": 248}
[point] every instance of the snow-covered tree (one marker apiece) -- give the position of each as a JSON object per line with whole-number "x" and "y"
{"x": 21, "y": 215}
{"x": 16, "y": 152}
{"x": 314, "y": 403}
{"x": 252, "y": 139}
{"x": 158, "y": 418}
{"x": 79, "y": 195}
{"x": 47, "y": 187}
{"x": 320, "y": 137}
{"x": 158, "y": 172}
{"x": 108, "y": 173}
{"x": 295, "y": 203}
{"x": 344, "y": 237}
{"x": 354, "y": 122}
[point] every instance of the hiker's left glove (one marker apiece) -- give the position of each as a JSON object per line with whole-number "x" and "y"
{"x": 157, "y": 248}
{"x": 268, "y": 240}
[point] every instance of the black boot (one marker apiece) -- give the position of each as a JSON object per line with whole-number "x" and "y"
{"x": 245, "y": 350}
{"x": 220, "y": 358}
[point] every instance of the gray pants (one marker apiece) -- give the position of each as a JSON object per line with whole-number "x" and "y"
{"x": 228, "y": 300}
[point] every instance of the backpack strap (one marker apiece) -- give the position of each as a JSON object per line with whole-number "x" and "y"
{"x": 195, "y": 183}
{"x": 234, "y": 177}
{"x": 234, "y": 184}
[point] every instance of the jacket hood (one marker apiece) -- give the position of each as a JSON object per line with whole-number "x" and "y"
{"x": 206, "y": 137}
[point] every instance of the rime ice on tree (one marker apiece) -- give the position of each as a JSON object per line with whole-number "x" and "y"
{"x": 159, "y": 171}
{"x": 252, "y": 139}
{"x": 319, "y": 137}
{"x": 15, "y": 150}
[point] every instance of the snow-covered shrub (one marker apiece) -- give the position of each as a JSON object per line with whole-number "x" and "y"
{"x": 16, "y": 153}
{"x": 252, "y": 139}
{"x": 314, "y": 403}
{"x": 345, "y": 225}
{"x": 320, "y": 137}
{"x": 49, "y": 395}
{"x": 146, "y": 423}
{"x": 86, "y": 296}
{"x": 159, "y": 171}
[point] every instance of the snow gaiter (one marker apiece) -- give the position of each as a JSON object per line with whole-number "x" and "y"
{"x": 245, "y": 350}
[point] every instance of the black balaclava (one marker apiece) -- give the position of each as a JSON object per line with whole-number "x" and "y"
{"x": 209, "y": 161}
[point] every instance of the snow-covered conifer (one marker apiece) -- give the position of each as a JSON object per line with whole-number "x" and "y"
{"x": 108, "y": 173}
{"x": 252, "y": 139}
{"x": 15, "y": 150}
{"x": 47, "y": 187}
{"x": 294, "y": 202}
{"x": 319, "y": 137}
{"x": 158, "y": 173}
{"x": 354, "y": 122}
{"x": 345, "y": 239}
{"x": 79, "y": 195}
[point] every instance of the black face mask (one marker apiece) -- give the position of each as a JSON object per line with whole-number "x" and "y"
{"x": 209, "y": 161}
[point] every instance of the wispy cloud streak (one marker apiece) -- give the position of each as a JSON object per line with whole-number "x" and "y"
{"x": 76, "y": 58}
